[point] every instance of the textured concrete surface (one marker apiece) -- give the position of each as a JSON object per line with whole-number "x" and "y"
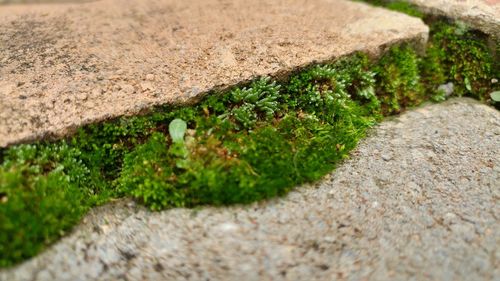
{"x": 418, "y": 200}
{"x": 8, "y": 2}
{"x": 64, "y": 65}
{"x": 480, "y": 14}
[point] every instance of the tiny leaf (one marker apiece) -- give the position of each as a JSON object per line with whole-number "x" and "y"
{"x": 467, "y": 84}
{"x": 495, "y": 96}
{"x": 177, "y": 129}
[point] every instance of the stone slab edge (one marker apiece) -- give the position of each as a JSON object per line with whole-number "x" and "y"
{"x": 483, "y": 15}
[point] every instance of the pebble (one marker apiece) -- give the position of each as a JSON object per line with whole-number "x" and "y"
{"x": 386, "y": 157}
{"x": 227, "y": 227}
{"x": 447, "y": 89}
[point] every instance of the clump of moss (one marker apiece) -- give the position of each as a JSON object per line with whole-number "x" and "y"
{"x": 44, "y": 191}
{"x": 241, "y": 146}
{"x": 459, "y": 55}
{"x": 256, "y": 142}
{"x": 399, "y": 84}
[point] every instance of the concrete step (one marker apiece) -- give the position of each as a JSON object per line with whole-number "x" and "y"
{"x": 483, "y": 15}
{"x": 405, "y": 206}
{"x": 65, "y": 65}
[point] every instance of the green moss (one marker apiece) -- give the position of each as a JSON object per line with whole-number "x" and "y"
{"x": 397, "y": 5}
{"x": 399, "y": 84}
{"x": 248, "y": 144}
{"x": 251, "y": 145}
{"x": 459, "y": 55}
{"x": 455, "y": 53}
{"x": 44, "y": 191}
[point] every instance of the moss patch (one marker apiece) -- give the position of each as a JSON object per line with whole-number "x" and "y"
{"x": 396, "y": 5}
{"x": 455, "y": 53}
{"x": 459, "y": 55}
{"x": 248, "y": 144}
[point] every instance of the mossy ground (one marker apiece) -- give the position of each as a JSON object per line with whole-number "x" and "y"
{"x": 248, "y": 144}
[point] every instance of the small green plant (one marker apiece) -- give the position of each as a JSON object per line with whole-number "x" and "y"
{"x": 250, "y": 104}
{"x": 177, "y": 129}
{"x": 495, "y": 96}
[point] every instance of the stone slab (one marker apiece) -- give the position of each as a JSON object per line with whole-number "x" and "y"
{"x": 483, "y": 15}
{"x": 64, "y": 65}
{"x": 8, "y": 2}
{"x": 418, "y": 200}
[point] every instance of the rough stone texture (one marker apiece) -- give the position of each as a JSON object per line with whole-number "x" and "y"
{"x": 418, "y": 200}
{"x": 64, "y": 65}
{"x": 42, "y": 1}
{"x": 480, "y": 14}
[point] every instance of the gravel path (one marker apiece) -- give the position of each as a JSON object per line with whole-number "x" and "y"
{"x": 418, "y": 200}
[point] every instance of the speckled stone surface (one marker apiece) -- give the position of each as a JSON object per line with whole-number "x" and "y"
{"x": 418, "y": 200}
{"x": 64, "y": 65}
{"x": 480, "y": 14}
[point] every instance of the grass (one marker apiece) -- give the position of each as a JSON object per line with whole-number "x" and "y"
{"x": 244, "y": 145}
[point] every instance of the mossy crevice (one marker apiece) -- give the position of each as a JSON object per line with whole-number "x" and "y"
{"x": 456, "y": 53}
{"x": 247, "y": 144}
